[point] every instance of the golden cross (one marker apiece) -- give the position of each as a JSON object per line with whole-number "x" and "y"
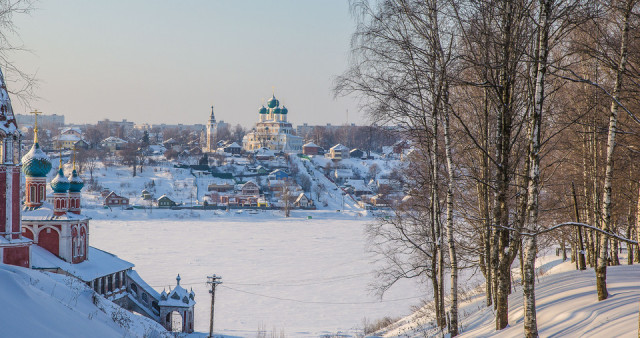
{"x": 35, "y": 125}
{"x": 74, "y": 157}
{"x": 60, "y": 155}
{"x": 273, "y": 90}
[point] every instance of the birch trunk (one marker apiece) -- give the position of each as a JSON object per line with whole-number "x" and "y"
{"x": 453, "y": 260}
{"x": 503, "y": 139}
{"x": 638, "y": 227}
{"x": 533, "y": 188}
{"x": 601, "y": 267}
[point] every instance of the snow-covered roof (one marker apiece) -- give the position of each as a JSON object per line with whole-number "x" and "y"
{"x": 249, "y": 183}
{"x": 278, "y": 171}
{"x": 220, "y": 181}
{"x": 138, "y": 280}
{"x": 339, "y": 147}
{"x": 170, "y": 141}
{"x": 113, "y": 194}
{"x": 69, "y": 137}
{"x": 311, "y": 145}
{"x": 7, "y": 120}
{"x": 233, "y": 145}
{"x": 71, "y": 129}
{"x": 357, "y": 185}
{"x": 300, "y": 197}
{"x": 45, "y": 213}
{"x": 100, "y": 263}
{"x": 113, "y": 139}
{"x": 343, "y": 173}
{"x": 165, "y": 197}
{"x": 178, "y": 297}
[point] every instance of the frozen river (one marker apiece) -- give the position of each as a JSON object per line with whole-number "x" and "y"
{"x": 307, "y": 277}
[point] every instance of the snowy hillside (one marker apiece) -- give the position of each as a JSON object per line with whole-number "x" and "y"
{"x": 37, "y": 304}
{"x": 566, "y": 303}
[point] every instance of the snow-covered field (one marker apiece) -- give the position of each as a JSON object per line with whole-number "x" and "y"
{"x": 307, "y": 277}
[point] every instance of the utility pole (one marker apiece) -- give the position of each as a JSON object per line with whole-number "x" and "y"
{"x": 214, "y": 281}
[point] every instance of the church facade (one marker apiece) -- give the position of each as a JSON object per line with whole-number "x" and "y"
{"x": 273, "y": 131}
{"x": 54, "y": 236}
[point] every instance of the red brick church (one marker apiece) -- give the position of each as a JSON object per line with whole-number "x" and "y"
{"x": 53, "y": 235}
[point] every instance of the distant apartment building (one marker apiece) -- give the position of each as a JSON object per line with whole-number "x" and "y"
{"x": 52, "y": 121}
{"x": 116, "y": 128}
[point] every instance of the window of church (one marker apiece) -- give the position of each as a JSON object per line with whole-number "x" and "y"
{"x": 118, "y": 280}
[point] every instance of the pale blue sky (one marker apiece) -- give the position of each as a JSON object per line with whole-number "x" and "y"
{"x": 169, "y": 61}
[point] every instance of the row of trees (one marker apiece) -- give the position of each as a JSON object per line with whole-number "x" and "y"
{"x": 510, "y": 103}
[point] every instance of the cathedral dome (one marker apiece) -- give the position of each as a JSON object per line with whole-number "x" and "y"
{"x": 276, "y": 110}
{"x": 273, "y": 102}
{"x": 75, "y": 182}
{"x": 262, "y": 110}
{"x": 284, "y": 110}
{"x": 36, "y": 163}
{"x": 60, "y": 183}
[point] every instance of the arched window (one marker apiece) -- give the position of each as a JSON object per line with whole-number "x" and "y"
{"x": 83, "y": 242}
{"x": 74, "y": 242}
{"x": 32, "y": 194}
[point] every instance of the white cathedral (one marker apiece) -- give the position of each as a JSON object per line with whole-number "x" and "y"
{"x": 273, "y": 131}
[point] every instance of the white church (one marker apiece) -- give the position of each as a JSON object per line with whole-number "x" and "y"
{"x": 273, "y": 131}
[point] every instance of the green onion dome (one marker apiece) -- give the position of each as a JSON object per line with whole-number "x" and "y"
{"x": 36, "y": 163}
{"x": 75, "y": 182}
{"x": 262, "y": 110}
{"x": 284, "y": 110}
{"x": 273, "y": 102}
{"x": 60, "y": 183}
{"x": 276, "y": 110}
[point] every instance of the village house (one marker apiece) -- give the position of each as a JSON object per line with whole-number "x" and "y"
{"x": 342, "y": 175}
{"x": 232, "y": 148}
{"x": 278, "y": 174}
{"x": 146, "y": 195}
{"x": 114, "y": 200}
{"x": 165, "y": 202}
{"x": 311, "y": 149}
{"x": 220, "y": 185}
{"x": 250, "y": 189}
{"x": 356, "y": 153}
{"x": 358, "y": 187}
{"x": 338, "y": 152}
{"x": 113, "y": 143}
{"x": 264, "y": 154}
{"x": 70, "y": 139}
{"x": 303, "y": 202}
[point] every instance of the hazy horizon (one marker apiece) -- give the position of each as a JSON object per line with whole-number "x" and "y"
{"x": 168, "y": 62}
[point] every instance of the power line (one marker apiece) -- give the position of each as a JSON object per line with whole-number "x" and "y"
{"x": 294, "y": 282}
{"x": 320, "y": 302}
